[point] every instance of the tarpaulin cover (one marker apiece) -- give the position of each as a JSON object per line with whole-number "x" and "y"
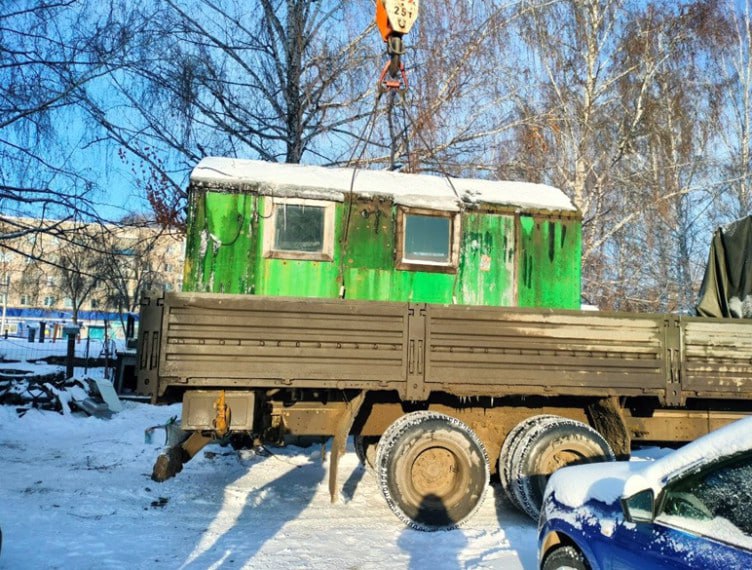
{"x": 726, "y": 289}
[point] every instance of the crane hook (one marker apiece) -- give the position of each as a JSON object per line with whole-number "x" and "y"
{"x": 394, "y": 19}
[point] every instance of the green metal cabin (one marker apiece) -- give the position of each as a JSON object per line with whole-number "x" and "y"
{"x": 307, "y": 231}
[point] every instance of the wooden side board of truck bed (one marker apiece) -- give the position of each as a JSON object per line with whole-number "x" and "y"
{"x": 196, "y": 340}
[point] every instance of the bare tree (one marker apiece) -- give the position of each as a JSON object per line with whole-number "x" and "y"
{"x": 271, "y": 81}
{"x": 462, "y": 90}
{"x": 664, "y": 168}
{"x": 30, "y": 284}
{"x": 79, "y": 262}
{"x": 617, "y": 117}
{"x": 133, "y": 263}
{"x": 49, "y": 50}
{"x": 735, "y": 125}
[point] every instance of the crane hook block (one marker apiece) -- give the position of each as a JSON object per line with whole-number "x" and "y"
{"x": 396, "y": 16}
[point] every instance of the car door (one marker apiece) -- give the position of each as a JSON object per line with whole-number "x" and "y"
{"x": 704, "y": 520}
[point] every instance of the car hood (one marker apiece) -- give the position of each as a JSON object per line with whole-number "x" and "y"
{"x": 601, "y": 482}
{"x": 587, "y": 497}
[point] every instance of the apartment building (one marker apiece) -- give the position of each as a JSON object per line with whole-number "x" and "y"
{"x": 57, "y": 272}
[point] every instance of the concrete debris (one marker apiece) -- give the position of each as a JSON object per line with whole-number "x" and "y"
{"x": 56, "y": 393}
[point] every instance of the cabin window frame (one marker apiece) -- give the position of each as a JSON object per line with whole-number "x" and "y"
{"x": 273, "y": 207}
{"x": 405, "y": 263}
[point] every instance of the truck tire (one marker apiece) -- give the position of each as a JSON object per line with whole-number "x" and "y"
{"x": 366, "y": 448}
{"x": 432, "y": 470}
{"x": 507, "y": 452}
{"x": 544, "y": 447}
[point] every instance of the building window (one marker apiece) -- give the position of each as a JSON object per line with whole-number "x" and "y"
{"x": 50, "y": 281}
{"x": 168, "y": 268}
{"x": 24, "y": 299}
{"x": 49, "y": 301}
{"x": 299, "y": 229}
{"x": 427, "y": 240}
{"x": 68, "y": 302}
{"x": 94, "y": 304}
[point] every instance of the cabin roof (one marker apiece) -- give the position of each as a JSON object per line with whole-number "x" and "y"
{"x": 412, "y": 190}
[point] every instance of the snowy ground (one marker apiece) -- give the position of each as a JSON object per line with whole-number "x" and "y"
{"x": 76, "y": 492}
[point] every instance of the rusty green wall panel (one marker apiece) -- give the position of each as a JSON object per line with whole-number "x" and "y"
{"x": 371, "y": 235}
{"x": 549, "y": 252}
{"x": 420, "y": 287}
{"x": 221, "y": 243}
{"x": 486, "y": 271}
{"x": 486, "y": 265}
{"x": 369, "y": 260}
{"x": 192, "y": 263}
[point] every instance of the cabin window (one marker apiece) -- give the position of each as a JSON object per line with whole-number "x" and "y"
{"x": 299, "y": 229}
{"x": 428, "y": 240}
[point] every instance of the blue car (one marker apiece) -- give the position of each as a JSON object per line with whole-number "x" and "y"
{"x": 691, "y": 508}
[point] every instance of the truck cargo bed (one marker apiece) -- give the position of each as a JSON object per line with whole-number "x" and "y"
{"x": 211, "y": 340}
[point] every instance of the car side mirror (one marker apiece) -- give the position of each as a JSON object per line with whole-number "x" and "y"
{"x": 640, "y": 507}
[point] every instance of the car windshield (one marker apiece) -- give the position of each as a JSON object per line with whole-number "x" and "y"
{"x": 713, "y": 503}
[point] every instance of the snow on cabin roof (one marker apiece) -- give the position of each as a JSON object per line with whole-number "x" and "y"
{"x": 412, "y": 190}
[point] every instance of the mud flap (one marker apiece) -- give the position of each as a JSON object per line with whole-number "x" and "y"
{"x": 344, "y": 425}
{"x": 607, "y": 418}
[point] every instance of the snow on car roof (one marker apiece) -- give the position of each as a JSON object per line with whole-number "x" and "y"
{"x": 413, "y": 190}
{"x": 726, "y": 441}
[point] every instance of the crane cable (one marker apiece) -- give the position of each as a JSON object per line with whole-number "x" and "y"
{"x": 371, "y": 122}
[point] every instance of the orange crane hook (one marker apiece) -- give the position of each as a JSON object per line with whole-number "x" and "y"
{"x": 394, "y": 19}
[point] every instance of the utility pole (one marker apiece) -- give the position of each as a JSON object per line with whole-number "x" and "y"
{"x": 5, "y": 307}
{"x": 4, "y": 289}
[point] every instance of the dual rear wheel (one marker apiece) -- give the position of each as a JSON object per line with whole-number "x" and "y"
{"x": 536, "y": 448}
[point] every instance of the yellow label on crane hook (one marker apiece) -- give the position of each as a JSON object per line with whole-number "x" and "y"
{"x": 402, "y": 14}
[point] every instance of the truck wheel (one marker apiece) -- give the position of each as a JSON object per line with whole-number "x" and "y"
{"x": 544, "y": 447}
{"x": 365, "y": 448}
{"x": 432, "y": 470}
{"x": 565, "y": 557}
{"x": 507, "y": 452}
